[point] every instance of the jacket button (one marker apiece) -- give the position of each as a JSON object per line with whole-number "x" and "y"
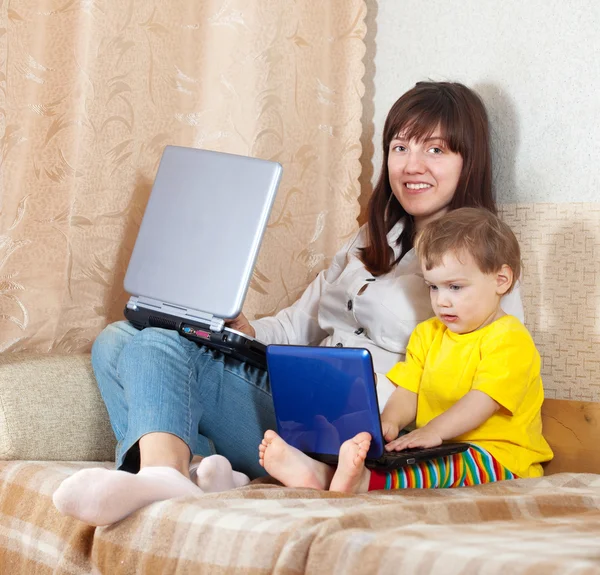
{"x": 359, "y": 330}
{"x": 349, "y": 304}
{"x": 339, "y": 345}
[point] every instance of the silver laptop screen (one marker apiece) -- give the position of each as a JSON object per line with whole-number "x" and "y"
{"x": 202, "y": 229}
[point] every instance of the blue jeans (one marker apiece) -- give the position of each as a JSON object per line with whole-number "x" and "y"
{"x": 155, "y": 380}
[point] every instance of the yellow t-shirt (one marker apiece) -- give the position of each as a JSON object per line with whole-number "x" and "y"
{"x": 500, "y": 360}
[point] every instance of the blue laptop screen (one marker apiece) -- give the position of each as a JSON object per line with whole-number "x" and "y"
{"x": 324, "y": 396}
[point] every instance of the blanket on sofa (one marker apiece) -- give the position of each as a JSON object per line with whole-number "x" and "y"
{"x": 528, "y": 526}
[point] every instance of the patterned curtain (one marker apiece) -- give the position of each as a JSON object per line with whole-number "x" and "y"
{"x": 90, "y": 93}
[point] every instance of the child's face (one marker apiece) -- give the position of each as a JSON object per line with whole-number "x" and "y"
{"x": 463, "y": 298}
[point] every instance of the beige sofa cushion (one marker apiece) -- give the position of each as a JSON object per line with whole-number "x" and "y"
{"x": 51, "y": 409}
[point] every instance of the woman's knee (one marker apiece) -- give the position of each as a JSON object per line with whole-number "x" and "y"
{"x": 109, "y": 344}
{"x": 162, "y": 339}
{"x": 154, "y": 346}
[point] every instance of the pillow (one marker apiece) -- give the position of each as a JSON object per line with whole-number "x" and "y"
{"x": 51, "y": 409}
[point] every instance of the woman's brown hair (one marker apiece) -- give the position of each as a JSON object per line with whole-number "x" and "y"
{"x": 462, "y": 119}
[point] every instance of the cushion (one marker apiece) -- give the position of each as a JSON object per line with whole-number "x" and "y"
{"x": 51, "y": 409}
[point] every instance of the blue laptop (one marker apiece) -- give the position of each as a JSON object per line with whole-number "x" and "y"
{"x": 326, "y": 395}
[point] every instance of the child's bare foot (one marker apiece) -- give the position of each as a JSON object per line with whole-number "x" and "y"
{"x": 290, "y": 466}
{"x": 351, "y": 475}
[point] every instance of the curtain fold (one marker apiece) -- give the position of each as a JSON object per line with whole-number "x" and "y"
{"x": 90, "y": 93}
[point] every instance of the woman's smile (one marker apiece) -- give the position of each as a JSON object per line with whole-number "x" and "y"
{"x": 417, "y": 187}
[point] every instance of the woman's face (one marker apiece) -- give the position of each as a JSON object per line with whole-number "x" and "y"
{"x": 423, "y": 175}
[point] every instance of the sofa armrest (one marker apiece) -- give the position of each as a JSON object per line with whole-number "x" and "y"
{"x": 51, "y": 409}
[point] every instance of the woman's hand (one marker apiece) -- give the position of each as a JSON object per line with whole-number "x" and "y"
{"x": 390, "y": 430}
{"x": 241, "y": 323}
{"x": 423, "y": 437}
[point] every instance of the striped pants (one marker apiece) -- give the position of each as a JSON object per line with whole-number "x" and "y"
{"x": 472, "y": 467}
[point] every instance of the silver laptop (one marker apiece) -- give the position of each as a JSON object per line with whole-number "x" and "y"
{"x": 197, "y": 245}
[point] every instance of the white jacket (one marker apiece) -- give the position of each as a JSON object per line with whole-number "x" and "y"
{"x": 345, "y": 305}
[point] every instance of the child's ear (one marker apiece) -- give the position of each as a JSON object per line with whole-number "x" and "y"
{"x": 504, "y": 279}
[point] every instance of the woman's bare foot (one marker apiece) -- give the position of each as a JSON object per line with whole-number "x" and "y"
{"x": 290, "y": 466}
{"x": 351, "y": 475}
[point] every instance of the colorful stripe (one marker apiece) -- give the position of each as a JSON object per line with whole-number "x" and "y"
{"x": 472, "y": 467}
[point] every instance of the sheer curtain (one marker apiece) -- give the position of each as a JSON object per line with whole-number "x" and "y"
{"x": 90, "y": 93}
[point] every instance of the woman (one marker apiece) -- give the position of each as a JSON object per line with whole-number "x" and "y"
{"x": 169, "y": 399}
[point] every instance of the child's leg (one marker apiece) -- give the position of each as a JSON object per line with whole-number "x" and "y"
{"x": 472, "y": 467}
{"x": 290, "y": 466}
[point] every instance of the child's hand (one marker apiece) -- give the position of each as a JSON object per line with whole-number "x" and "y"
{"x": 390, "y": 430}
{"x": 424, "y": 437}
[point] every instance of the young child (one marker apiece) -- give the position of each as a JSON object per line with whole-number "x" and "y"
{"x": 471, "y": 374}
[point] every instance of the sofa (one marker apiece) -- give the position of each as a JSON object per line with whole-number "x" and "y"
{"x": 53, "y": 422}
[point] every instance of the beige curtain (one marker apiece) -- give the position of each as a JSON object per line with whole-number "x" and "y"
{"x": 90, "y": 93}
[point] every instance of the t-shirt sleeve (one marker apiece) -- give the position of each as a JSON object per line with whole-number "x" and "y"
{"x": 407, "y": 373}
{"x": 509, "y": 363}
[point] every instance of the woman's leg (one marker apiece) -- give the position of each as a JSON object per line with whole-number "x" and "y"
{"x": 106, "y": 351}
{"x": 236, "y": 408}
{"x": 157, "y": 372}
{"x": 163, "y": 392}
{"x": 166, "y": 396}
{"x": 123, "y": 359}
{"x": 160, "y": 388}
{"x": 146, "y": 379}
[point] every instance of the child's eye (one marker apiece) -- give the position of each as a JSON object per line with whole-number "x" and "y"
{"x": 455, "y": 287}
{"x": 432, "y": 287}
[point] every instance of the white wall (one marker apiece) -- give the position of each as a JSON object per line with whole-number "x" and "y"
{"x": 536, "y": 63}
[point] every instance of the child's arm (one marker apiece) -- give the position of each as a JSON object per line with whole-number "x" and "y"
{"x": 401, "y": 407}
{"x": 399, "y": 411}
{"x": 466, "y": 414}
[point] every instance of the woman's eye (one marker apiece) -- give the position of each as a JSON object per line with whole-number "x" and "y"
{"x": 398, "y": 148}
{"x": 436, "y": 150}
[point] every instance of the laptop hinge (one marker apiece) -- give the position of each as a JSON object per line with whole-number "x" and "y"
{"x": 216, "y": 323}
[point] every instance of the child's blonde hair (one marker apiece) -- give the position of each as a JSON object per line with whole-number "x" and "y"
{"x": 476, "y": 231}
